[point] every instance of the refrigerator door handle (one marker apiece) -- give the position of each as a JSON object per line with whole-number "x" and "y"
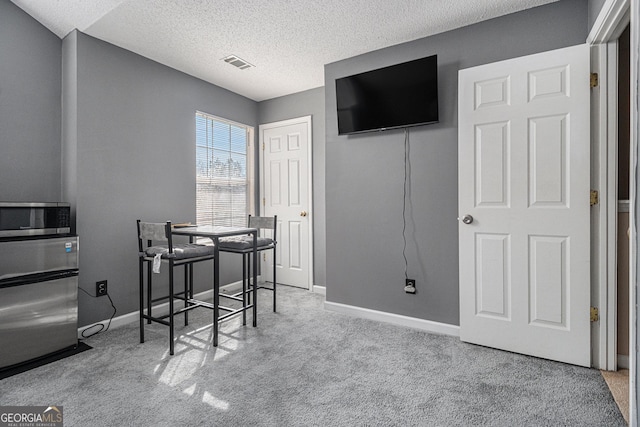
{"x": 36, "y": 278}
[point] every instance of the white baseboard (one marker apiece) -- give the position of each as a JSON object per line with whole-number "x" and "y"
{"x": 134, "y": 316}
{"x": 623, "y": 361}
{"x": 395, "y": 319}
{"x": 322, "y": 290}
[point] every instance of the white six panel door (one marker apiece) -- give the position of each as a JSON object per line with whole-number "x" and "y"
{"x": 286, "y": 195}
{"x": 524, "y": 173}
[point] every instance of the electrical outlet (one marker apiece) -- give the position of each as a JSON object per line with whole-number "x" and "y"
{"x": 101, "y": 288}
{"x": 410, "y": 286}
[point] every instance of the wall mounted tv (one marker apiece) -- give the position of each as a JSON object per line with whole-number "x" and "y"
{"x": 397, "y": 96}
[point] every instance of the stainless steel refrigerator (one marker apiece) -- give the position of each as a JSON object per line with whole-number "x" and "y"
{"x": 38, "y": 296}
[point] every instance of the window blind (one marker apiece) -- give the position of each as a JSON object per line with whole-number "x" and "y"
{"x": 221, "y": 172}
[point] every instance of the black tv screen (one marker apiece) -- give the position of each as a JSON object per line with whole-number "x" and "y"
{"x": 397, "y": 96}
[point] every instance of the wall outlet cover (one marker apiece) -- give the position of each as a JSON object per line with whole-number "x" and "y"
{"x": 101, "y": 288}
{"x": 410, "y": 286}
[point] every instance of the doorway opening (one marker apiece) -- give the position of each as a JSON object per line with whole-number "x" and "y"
{"x": 618, "y": 381}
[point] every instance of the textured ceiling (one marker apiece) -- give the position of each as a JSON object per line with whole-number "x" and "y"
{"x": 288, "y": 41}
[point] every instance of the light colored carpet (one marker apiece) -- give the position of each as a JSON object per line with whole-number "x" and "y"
{"x": 618, "y": 383}
{"x": 305, "y": 366}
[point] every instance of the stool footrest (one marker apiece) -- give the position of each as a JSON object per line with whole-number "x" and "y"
{"x": 197, "y": 303}
{"x": 175, "y": 295}
{"x": 234, "y": 297}
{"x": 233, "y": 311}
{"x": 157, "y": 319}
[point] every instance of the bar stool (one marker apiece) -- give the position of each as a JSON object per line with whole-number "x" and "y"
{"x": 244, "y": 245}
{"x": 174, "y": 255}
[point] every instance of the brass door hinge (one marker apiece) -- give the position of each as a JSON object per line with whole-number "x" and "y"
{"x": 594, "y": 316}
{"x": 263, "y": 146}
{"x": 594, "y": 197}
{"x": 264, "y": 201}
{"x": 594, "y": 80}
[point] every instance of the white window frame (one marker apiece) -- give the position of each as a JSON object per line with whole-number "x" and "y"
{"x": 250, "y": 158}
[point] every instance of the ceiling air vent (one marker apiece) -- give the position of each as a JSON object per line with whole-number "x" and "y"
{"x": 237, "y": 62}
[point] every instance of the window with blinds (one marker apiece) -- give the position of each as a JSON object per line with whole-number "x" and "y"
{"x": 222, "y": 184}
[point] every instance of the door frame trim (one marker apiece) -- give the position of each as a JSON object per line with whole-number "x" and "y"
{"x": 306, "y": 120}
{"x": 605, "y": 214}
{"x": 603, "y": 37}
{"x": 609, "y": 24}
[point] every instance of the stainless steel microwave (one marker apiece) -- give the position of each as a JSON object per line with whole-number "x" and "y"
{"x": 34, "y": 218}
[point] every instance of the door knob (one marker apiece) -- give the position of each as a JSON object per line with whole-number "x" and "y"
{"x": 303, "y": 213}
{"x": 467, "y": 219}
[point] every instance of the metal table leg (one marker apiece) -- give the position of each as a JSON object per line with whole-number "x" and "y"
{"x": 216, "y": 290}
{"x": 255, "y": 278}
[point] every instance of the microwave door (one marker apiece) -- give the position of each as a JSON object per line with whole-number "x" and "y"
{"x": 34, "y": 219}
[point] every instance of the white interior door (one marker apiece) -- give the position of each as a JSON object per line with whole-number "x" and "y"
{"x": 286, "y": 191}
{"x": 523, "y": 159}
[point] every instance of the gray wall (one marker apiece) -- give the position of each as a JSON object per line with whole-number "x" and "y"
{"x": 310, "y": 102}
{"x": 69, "y": 103}
{"x": 364, "y": 173}
{"x": 134, "y": 143}
{"x": 128, "y": 152}
{"x": 595, "y": 6}
{"x": 30, "y": 79}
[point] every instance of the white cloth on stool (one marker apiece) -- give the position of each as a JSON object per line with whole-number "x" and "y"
{"x": 157, "y": 260}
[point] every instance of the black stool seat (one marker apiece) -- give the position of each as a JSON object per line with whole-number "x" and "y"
{"x": 178, "y": 254}
{"x": 244, "y": 243}
{"x": 180, "y": 251}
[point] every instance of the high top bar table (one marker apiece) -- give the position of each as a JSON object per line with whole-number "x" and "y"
{"x": 215, "y": 233}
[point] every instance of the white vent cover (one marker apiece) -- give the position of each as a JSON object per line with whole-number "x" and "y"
{"x": 237, "y": 62}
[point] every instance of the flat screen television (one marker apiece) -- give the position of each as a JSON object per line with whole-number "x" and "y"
{"x": 397, "y": 96}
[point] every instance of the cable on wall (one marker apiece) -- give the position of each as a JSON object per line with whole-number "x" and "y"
{"x": 404, "y": 203}
{"x": 100, "y": 325}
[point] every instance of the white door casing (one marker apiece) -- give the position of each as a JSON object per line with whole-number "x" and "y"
{"x": 286, "y": 189}
{"x": 605, "y": 32}
{"x": 607, "y": 28}
{"x": 524, "y": 172}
